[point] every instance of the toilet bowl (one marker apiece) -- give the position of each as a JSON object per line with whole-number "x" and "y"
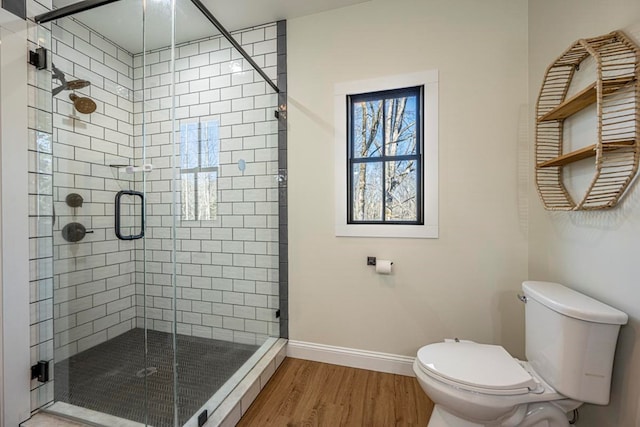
{"x": 477, "y": 385}
{"x": 570, "y": 345}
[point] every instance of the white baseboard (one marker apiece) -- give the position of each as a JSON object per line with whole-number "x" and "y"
{"x": 363, "y": 359}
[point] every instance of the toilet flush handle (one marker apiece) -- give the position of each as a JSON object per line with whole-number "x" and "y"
{"x": 522, "y": 298}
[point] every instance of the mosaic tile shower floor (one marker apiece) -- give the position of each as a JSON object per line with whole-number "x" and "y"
{"x": 110, "y": 377}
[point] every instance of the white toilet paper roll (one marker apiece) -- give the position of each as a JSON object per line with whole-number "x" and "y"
{"x": 383, "y": 266}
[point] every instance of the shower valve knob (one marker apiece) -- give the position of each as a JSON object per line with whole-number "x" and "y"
{"x": 74, "y": 232}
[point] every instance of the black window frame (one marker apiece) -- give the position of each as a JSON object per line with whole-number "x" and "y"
{"x": 417, "y": 91}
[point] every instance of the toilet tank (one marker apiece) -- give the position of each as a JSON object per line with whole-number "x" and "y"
{"x": 571, "y": 340}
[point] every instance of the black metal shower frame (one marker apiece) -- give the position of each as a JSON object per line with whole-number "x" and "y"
{"x": 85, "y": 5}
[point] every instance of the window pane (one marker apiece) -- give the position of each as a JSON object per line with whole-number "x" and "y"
{"x": 367, "y": 191}
{"x": 189, "y": 136}
{"x": 401, "y": 191}
{"x": 199, "y": 150}
{"x": 367, "y": 129}
{"x": 400, "y": 126}
{"x": 207, "y": 195}
{"x": 210, "y": 144}
{"x": 188, "y": 196}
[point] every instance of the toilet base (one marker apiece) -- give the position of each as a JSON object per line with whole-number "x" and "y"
{"x": 538, "y": 415}
{"x": 441, "y": 418}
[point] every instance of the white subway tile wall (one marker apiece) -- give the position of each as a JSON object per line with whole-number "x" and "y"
{"x": 227, "y": 267}
{"x": 94, "y": 278}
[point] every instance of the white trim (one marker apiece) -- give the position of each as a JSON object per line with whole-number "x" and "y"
{"x": 88, "y": 416}
{"x": 363, "y": 359}
{"x": 14, "y": 221}
{"x": 428, "y": 79}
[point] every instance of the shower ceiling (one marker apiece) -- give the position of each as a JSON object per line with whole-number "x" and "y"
{"x": 120, "y": 21}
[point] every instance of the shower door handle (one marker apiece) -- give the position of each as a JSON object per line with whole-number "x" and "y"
{"x": 119, "y": 210}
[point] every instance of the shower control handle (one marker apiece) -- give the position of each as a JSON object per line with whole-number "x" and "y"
{"x": 74, "y": 232}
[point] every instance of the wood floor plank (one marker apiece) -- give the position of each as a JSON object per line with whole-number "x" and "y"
{"x": 303, "y": 393}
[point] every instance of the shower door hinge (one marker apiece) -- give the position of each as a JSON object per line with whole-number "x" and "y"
{"x": 277, "y": 313}
{"x": 202, "y": 418}
{"x": 40, "y": 371}
{"x": 38, "y": 58}
{"x": 282, "y": 177}
{"x": 281, "y": 112}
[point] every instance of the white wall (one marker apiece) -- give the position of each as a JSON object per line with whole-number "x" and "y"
{"x": 39, "y": 146}
{"x": 593, "y": 252}
{"x": 14, "y": 225}
{"x": 463, "y": 284}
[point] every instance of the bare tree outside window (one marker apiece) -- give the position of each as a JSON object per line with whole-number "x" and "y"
{"x": 385, "y": 159}
{"x": 199, "y": 161}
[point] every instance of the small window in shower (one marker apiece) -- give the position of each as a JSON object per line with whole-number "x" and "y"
{"x": 199, "y": 162}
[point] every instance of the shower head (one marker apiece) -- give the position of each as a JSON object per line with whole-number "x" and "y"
{"x": 83, "y": 104}
{"x": 66, "y": 85}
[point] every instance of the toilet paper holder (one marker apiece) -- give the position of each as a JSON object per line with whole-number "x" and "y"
{"x": 371, "y": 260}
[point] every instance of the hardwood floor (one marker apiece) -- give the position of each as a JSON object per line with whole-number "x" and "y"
{"x": 305, "y": 393}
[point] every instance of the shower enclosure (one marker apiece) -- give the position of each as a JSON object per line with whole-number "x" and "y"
{"x": 166, "y": 186}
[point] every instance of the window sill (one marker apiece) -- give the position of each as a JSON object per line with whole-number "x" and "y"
{"x": 387, "y": 230}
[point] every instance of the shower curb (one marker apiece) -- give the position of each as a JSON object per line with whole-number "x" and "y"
{"x": 230, "y": 411}
{"x": 87, "y": 416}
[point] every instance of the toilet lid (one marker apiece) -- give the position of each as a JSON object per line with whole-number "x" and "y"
{"x": 477, "y": 367}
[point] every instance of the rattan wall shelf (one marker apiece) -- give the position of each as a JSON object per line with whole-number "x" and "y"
{"x": 616, "y": 93}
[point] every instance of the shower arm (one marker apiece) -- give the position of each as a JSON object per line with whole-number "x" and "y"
{"x": 57, "y": 74}
{"x": 57, "y": 90}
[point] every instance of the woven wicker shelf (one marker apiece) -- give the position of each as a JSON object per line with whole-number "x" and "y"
{"x": 581, "y": 154}
{"x": 616, "y": 94}
{"x": 581, "y": 100}
{"x": 572, "y": 105}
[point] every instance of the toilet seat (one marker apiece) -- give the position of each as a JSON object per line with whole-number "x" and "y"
{"x": 480, "y": 368}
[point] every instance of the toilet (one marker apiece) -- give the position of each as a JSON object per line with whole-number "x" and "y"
{"x": 570, "y": 344}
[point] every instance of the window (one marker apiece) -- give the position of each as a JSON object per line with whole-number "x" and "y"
{"x": 199, "y": 161}
{"x": 386, "y": 167}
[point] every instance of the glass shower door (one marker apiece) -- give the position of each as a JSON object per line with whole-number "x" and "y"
{"x": 110, "y": 280}
{"x": 166, "y": 276}
{"x": 226, "y": 226}
{"x": 154, "y": 135}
